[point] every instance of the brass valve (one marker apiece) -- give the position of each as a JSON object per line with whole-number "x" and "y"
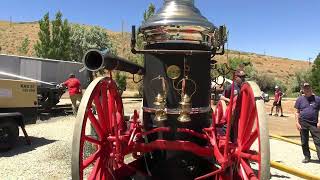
{"x": 160, "y": 106}
{"x": 185, "y": 106}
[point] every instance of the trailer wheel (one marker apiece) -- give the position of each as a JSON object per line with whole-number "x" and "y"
{"x": 9, "y": 133}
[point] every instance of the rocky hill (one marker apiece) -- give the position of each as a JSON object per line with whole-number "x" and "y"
{"x": 12, "y": 35}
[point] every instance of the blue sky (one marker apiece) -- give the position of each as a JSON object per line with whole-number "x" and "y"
{"x": 284, "y": 28}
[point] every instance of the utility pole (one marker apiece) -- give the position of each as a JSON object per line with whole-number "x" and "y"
{"x": 122, "y": 26}
{"x": 122, "y": 36}
{"x": 309, "y": 60}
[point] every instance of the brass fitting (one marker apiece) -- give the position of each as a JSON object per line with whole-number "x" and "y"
{"x": 185, "y": 106}
{"x": 160, "y": 106}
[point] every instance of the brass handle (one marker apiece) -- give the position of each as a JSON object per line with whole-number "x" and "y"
{"x": 183, "y": 81}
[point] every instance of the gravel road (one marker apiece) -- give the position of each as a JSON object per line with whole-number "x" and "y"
{"x": 47, "y": 158}
{"x": 49, "y": 155}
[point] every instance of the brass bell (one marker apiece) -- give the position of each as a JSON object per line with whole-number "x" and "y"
{"x": 185, "y": 109}
{"x": 160, "y": 106}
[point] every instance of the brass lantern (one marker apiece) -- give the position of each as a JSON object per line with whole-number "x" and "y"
{"x": 185, "y": 109}
{"x": 160, "y": 106}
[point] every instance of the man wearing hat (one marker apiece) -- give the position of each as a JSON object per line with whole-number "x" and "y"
{"x": 75, "y": 92}
{"x": 239, "y": 79}
{"x": 307, "y": 119}
{"x": 277, "y": 101}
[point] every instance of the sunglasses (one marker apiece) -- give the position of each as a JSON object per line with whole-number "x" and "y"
{"x": 241, "y": 76}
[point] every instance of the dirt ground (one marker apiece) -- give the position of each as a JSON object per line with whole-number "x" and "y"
{"x": 283, "y": 126}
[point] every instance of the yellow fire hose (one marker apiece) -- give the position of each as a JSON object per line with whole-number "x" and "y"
{"x": 290, "y": 170}
{"x": 289, "y": 141}
{"x": 293, "y": 171}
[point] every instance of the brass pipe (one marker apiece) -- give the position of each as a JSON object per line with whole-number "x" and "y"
{"x": 289, "y": 141}
{"x": 293, "y": 171}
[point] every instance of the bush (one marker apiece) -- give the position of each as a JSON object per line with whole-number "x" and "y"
{"x": 24, "y": 47}
{"x": 299, "y": 78}
{"x": 266, "y": 82}
{"x": 121, "y": 80}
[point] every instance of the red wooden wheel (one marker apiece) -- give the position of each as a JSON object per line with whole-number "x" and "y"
{"x": 220, "y": 112}
{"x": 249, "y": 153}
{"x": 100, "y": 116}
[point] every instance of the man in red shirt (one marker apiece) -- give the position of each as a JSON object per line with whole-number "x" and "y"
{"x": 277, "y": 101}
{"x": 75, "y": 92}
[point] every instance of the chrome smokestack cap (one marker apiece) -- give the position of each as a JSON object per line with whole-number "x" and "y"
{"x": 179, "y": 21}
{"x": 179, "y": 13}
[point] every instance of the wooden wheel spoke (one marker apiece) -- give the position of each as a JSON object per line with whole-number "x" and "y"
{"x": 249, "y": 173}
{"x": 247, "y": 118}
{"x": 249, "y": 156}
{"x": 111, "y": 105}
{"x": 95, "y": 170}
{"x": 242, "y": 173}
{"x": 104, "y": 92}
{"x": 91, "y": 159}
{"x": 92, "y": 140}
{"x": 248, "y": 143}
{"x": 95, "y": 123}
{"x": 100, "y": 111}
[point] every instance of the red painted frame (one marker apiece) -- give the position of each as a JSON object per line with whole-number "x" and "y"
{"x": 125, "y": 142}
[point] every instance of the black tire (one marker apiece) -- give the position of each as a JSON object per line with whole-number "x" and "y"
{"x": 9, "y": 133}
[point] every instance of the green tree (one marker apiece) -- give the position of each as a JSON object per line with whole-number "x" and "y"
{"x": 149, "y": 12}
{"x": 299, "y": 78}
{"x": 42, "y": 47}
{"x": 146, "y": 15}
{"x": 85, "y": 38}
{"x": 60, "y": 43}
{"x": 234, "y": 63}
{"x": 24, "y": 47}
{"x": 55, "y": 44}
{"x": 315, "y": 75}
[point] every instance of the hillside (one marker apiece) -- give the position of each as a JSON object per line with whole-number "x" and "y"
{"x": 12, "y": 34}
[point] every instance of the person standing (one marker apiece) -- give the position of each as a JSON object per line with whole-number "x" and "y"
{"x": 307, "y": 119}
{"x": 74, "y": 86}
{"x": 277, "y": 101}
{"x": 239, "y": 80}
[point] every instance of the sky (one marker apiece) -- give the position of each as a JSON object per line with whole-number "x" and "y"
{"x": 282, "y": 28}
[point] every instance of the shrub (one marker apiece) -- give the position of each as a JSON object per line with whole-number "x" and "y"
{"x": 121, "y": 80}
{"x": 315, "y": 75}
{"x": 266, "y": 82}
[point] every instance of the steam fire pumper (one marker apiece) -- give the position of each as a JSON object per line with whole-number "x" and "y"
{"x": 176, "y": 134}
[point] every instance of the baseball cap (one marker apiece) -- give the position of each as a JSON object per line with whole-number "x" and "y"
{"x": 71, "y": 75}
{"x": 306, "y": 84}
{"x": 276, "y": 87}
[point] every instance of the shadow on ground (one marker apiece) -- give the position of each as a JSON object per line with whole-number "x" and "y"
{"x": 44, "y": 116}
{"x": 315, "y": 161}
{"x": 279, "y": 176}
{"x": 21, "y": 146}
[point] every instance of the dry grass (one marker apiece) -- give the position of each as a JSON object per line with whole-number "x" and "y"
{"x": 283, "y": 69}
